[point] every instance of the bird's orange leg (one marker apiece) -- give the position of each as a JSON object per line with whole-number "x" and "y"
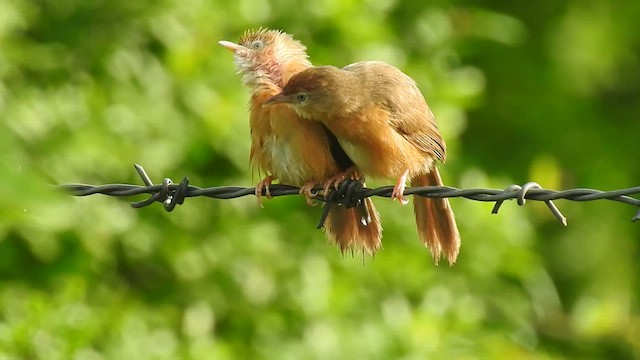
{"x": 398, "y": 190}
{"x": 351, "y": 173}
{"x": 307, "y": 191}
{"x": 264, "y": 185}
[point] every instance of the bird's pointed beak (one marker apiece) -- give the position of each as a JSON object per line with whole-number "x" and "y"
{"x": 277, "y": 99}
{"x": 232, "y": 46}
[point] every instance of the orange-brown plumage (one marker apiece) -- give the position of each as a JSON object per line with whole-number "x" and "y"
{"x": 284, "y": 145}
{"x": 384, "y": 124}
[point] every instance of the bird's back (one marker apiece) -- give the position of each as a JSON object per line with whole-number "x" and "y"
{"x": 389, "y": 86}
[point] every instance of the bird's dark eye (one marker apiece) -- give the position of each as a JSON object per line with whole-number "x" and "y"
{"x": 258, "y": 44}
{"x": 302, "y": 97}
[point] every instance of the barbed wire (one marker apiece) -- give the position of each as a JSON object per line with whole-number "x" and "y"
{"x": 350, "y": 193}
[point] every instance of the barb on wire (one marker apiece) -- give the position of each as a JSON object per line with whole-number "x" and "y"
{"x": 350, "y": 193}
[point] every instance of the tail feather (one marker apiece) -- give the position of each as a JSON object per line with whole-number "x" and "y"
{"x": 355, "y": 228}
{"x": 436, "y": 223}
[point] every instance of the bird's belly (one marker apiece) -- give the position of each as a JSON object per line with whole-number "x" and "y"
{"x": 381, "y": 159}
{"x": 286, "y": 164}
{"x": 357, "y": 154}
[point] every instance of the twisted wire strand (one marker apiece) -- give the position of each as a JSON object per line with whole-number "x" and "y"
{"x": 350, "y": 193}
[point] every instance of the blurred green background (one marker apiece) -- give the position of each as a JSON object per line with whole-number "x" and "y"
{"x": 544, "y": 91}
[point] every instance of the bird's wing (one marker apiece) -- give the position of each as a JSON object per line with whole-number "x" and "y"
{"x": 398, "y": 94}
{"x": 418, "y": 126}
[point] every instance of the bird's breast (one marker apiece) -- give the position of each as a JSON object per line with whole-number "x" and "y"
{"x": 285, "y": 161}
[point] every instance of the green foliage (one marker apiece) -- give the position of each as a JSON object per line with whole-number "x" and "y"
{"x": 544, "y": 91}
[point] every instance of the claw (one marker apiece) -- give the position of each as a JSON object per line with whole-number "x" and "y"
{"x": 307, "y": 191}
{"x": 264, "y": 185}
{"x": 398, "y": 190}
{"x": 334, "y": 181}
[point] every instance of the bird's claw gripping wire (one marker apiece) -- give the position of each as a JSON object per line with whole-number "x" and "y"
{"x": 348, "y": 194}
{"x": 169, "y": 196}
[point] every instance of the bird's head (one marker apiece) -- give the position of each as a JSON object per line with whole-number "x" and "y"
{"x": 263, "y": 55}
{"x": 315, "y": 93}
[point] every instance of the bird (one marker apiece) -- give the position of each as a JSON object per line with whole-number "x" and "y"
{"x": 383, "y": 123}
{"x": 293, "y": 150}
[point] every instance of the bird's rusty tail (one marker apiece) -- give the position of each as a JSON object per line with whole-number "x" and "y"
{"x": 436, "y": 223}
{"x": 355, "y": 228}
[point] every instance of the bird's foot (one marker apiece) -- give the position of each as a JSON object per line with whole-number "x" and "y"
{"x": 309, "y": 194}
{"x": 398, "y": 190}
{"x": 263, "y": 185}
{"x": 351, "y": 173}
